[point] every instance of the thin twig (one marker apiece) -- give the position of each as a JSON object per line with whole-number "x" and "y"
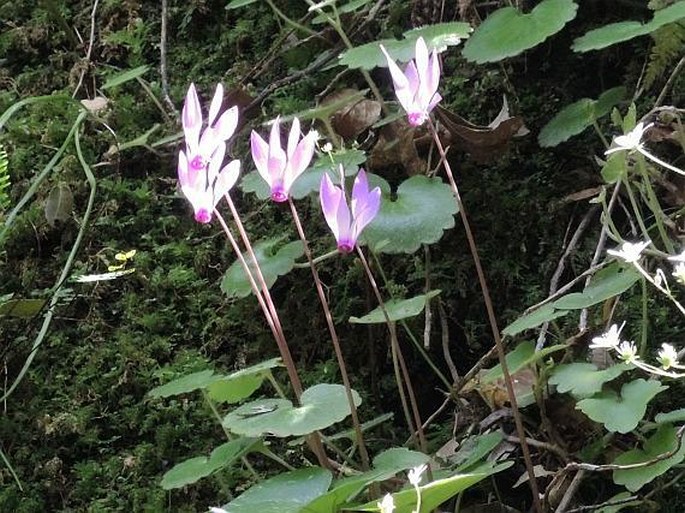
{"x": 561, "y": 265}
{"x": 89, "y": 51}
{"x": 599, "y": 250}
{"x": 570, "y": 492}
{"x": 669, "y": 82}
{"x": 444, "y": 328}
{"x": 162, "y": 59}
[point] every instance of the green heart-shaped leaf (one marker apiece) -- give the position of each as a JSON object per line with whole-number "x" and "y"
{"x": 273, "y": 263}
{"x": 437, "y": 36}
{"x": 625, "y": 30}
{"x": 524, "y": 355}
{"x": 533, "y": 319}
{"x": 423, "y": 210}
{"x": 241, "y": 384}
{"x": 663, "y": 441}
{"x": 290, "y": 492}
{"x": 322, "y": 406}
{"x": 186, "y": 384}
{"x": 194, "y": 469}
{"x": 575, "y": 118}
{"x": 584, "y": 379}
{"x": 396, "y": 309}
{"x": 621, "y": 413}
{"x": 607, "y": 283}
{"x": 508, "y": 32}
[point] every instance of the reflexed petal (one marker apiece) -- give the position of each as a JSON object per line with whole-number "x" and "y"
{"x": 215, "y": 163}
{"x": 403, "y": 89}
{"x": 214, "y": 107}
{"x": 227, "y": 123}
{"x": 191, "y": 118}
{"x": 432, "y": 78}
{"x": 182, "y": 168}
{"x": 360, "y": 192}
{"x": 367, "y": 212}
{"x": 226, "y": 180}
{"x": 413, "y": 91}
{"x": 260, "y": 155}
{"x": 331, "y": 197}
{"x": 293, "y": 137}
{"x": 421, "y": 60}
{"x": 277, "y": 157}
{"x": 299, "y": 160}
{"x": 434, "y": 101}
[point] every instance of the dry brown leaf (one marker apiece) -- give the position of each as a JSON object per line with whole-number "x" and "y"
{"x": 354, "y": 117}
{"x": 483, "y": 143}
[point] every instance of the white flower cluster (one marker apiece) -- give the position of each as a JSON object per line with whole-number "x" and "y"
{"x": 627, "y": 351}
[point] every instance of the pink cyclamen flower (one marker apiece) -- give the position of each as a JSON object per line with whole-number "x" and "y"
{"x": 417, "y": 87}
{"x": 281, "y": 168}
{"x": 365, "y": 205}
{"x": 201, "y": 144}
{"x": 205, "y": 187}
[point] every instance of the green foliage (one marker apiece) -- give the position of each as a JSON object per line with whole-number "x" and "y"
{"x": 418, "y": 213}
{"x": 508, "y": 32}
{"x": 575, "y": 118}
{"x": 192, "y": 470}
{"x": 290, "y": 492}
{"x": 272, "y": 262}
{"x": 522, "y": 356}
{"x": 438, "y": 36}
{"x": 626, "y": 30}
{"x": 397, "y": 309}
{"x": 621, "y": 412}
{"x": 669, "y": 41}
{"x": 584, "y": 379}
{"x": 321, "y": 406}
{"x": 663, "y": 441}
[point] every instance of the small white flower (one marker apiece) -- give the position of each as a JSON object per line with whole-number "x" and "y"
{"x": 387, "y": 505}
{"x": 327, "y": 148}
{"x": 679, "y": 273}
{"x": 668, "y": 356}
{"x": 630, "y": 251}
{"x": 609, "y": 340}
{"x": 630, "y": 141}
{"x": 627, "y": 351}
{"x": 217, "y": 510}
{"x": 414, "y": 474}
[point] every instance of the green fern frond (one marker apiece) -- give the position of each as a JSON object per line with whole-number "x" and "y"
{"x": 4, "y": 180}
{"x": 669, "y": 42}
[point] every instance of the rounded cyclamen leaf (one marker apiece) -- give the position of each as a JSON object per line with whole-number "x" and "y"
{"x": 508, "y": 31}
{"x": 322, "y": 406}
{"x": 289, "y": 492}
{"x": 273, "y": 263}
{"x": 423, "y": 209}
{"x": 625, "y": 30}
{"x": 437, "y": 37}
{"x": 194, "y": 469}
{"x": 397, "y": 309}
{"x": 622, "y": 412}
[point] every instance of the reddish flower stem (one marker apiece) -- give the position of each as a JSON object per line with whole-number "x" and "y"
{"x": 492, "y": 319}
{"x": 334, "y": 338}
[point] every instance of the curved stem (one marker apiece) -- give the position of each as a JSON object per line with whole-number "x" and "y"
{"x": 493, "y": 321}
{"x": 334, "y": 338}
{"x": 653, "y": 204}
{"x": 636, "y": 209}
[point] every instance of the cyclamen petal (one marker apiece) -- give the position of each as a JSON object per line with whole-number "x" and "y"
{"x": 345, "y": 225}
{"x": 416, "y": 88}
{"x": 202, "y": 179}
{"x": 280, "y": 168}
